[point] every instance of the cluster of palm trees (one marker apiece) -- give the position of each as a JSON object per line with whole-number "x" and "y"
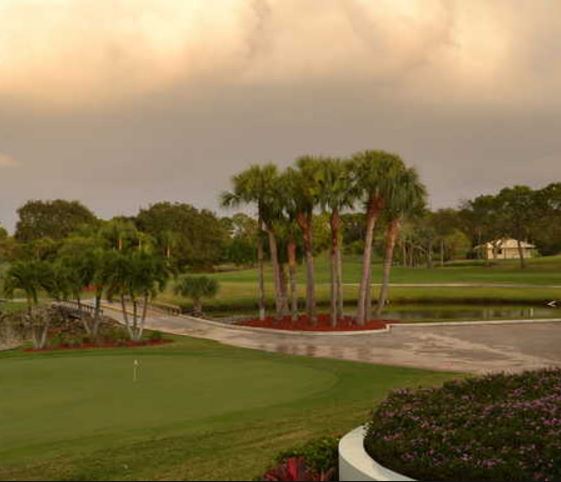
{"x": 375, "y": 180}
{"x": 133, "y": 275}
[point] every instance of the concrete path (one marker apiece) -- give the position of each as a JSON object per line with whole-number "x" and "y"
{"x": 467, "y": 347}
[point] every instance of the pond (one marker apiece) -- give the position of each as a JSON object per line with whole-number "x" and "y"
{"x": 463, "y": 312}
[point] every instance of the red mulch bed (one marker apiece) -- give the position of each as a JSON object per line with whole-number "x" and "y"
{"x": 90, "y": 346}
{"x": 346, "y": 323}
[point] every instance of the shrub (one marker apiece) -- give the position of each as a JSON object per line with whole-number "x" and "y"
{"x": 197, "y": 288}
{"x": 156, "y": 336}
{"x": 315, "y": 460}
{"x": 497, "y": 427}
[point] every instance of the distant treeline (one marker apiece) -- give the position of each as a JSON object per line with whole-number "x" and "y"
{"x": 200, "y": 239}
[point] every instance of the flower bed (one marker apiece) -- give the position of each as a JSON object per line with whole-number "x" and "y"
{"x": 497, "y": 427}
{"x": 323, "y": 323}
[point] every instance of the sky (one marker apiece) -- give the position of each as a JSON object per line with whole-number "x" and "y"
{"x": 123, "y": 103}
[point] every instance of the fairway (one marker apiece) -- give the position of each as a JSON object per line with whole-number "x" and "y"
{"x": 501, "y": 283}
{"x": 197, "y": 410}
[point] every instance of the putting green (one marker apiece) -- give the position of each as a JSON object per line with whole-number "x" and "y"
{"x": 198, "y": 410}
{"x": 76, "y": 396}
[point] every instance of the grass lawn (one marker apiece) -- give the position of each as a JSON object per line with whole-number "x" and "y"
{"x": 200, "y": 410}
{"x": 239, "y": 288}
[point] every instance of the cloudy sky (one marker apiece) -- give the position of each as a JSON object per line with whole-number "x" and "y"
{"x": 120, "y": 103}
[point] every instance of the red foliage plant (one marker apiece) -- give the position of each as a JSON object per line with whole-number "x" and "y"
{"x": 295, "y": 469}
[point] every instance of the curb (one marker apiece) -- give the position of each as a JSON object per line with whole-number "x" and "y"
{"x": 356, "y": 464}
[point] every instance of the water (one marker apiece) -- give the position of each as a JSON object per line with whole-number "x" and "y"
{"x": 435, "y": 312}
{"x": 452, "y": 312}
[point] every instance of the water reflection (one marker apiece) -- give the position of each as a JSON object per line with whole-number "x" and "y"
{"x": 469, "y": 312}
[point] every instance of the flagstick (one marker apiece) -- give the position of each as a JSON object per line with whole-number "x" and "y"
{"x": 134, "y": 371}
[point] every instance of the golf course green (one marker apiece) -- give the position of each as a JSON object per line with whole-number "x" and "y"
{"x": 198, "y": 409}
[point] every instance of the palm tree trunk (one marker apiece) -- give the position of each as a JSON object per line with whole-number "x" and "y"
{"x": 29, "y": 305}
{"x": 261, "y": 271}
{"x": 283, "y": 289}
{"x": 134, "y": 318}
{"x": 368, "y": 301}
{"x": 429, "y": 253}
{"x": 372, "y": 214}
{"x": 335, "y": 222}
{"x": 276, "y": 271}
{"x": 44, "y": 332}
{"x": 143, "y": 319}
{"x": 305, "y": 223}
{"x": 339, "y": 280}
{"x": 126, "y": 315}
{"x": 521, "y": 254}
{"x": 85, "y": 321}
{"x": 97, "y": 315}
{"x": 291, "y": 254}
{"x": 391, "y": 237}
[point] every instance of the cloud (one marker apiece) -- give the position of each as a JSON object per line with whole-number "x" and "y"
{"x": 87, "y": 52}
{"x": 8, "y": 161}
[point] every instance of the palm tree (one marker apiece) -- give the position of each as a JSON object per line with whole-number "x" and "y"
{"x": 197, "y": 288}
{"x": 28, "y": 276}
{"x": 258, "y": 185}
{"x": 302, "y": 185}
{"x": 119, "y": 233}
{"x": 31, "y": 277}
{"x": 337, "y": 193}
{"x": 375, "y": 173}
{"x": 408, "y": 197}
{"x": 138, "y": 276}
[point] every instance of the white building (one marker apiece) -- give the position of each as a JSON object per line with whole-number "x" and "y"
{"x": 506, "y": 249}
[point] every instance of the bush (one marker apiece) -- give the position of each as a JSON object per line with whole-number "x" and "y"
{"x": 315, "y": 460}
{"x": 497, "y": 427}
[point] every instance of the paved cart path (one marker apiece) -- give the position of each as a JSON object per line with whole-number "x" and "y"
{"x": 477, "y": 347}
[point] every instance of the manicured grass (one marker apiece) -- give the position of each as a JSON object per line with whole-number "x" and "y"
{"x": 543, "y": 271}
{"x": 238, "y": 290}
{"x": 200, "y": 410}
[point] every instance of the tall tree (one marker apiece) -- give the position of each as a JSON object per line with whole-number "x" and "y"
{"x": 31, "y": 277}
{"x": 52, "y": 219}
{"x": 242, "y": 230}
{"x": 28, "y": 276}
{"x": 517, "y": 213}
{"x": 137, "y": 277}
{"x": 547, "y": 230}
{"x": 190, "y": 237}
{"x": 482, "y": 222}
{"x": 335, "y": 194}
{"x": 375, "y": 173}
{"x": 302, "y": 185}
{"x": 408, "y": 197}
{"x": 258, "y": 186}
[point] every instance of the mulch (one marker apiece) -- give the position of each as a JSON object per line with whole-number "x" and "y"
{"x": 323, "y": 324}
